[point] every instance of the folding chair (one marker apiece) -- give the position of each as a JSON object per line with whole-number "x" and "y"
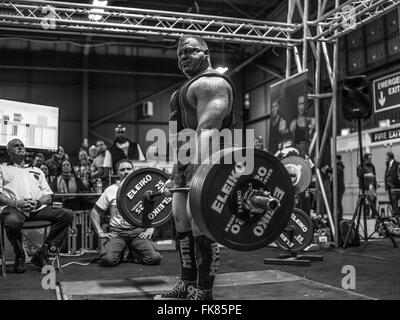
{"x": 29, "y": 225}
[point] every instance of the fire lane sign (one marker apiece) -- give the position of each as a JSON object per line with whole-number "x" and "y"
{"x": 386, "y": 92}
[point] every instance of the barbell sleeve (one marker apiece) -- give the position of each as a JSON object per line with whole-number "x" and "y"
{"x": 150, "y": 195}
{"x": 264, "y": 202}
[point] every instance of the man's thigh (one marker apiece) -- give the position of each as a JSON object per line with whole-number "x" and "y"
{"x": 112, "y": 247}
{"x": 179, "y": 211}
{"x": 142, "y": 246}
{"x": 50, "y": 214}
{"x": 13, "y": 215}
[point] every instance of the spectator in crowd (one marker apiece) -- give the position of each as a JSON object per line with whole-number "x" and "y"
{"x": 84, "y": 171}
{"x": 302, "y": 128}
{"x": 278, "y": 128}
{"x": 340, "y": 185}
{"x": 38, "y": 160}
{"x": 392, "y": 181}
{"x": 98, "y": 162}
{"x": 258, "y": 143}
{"x": 122, "y": 148}
{"x": 25, "y": 196}
{"x": 68, "y": 182}
{"x": 44, "y": 167}
{"x": 370, "y": 183}
{"x": 62, "y": 153}
{"x": 92, "y": 152}
{"x": 122, "y": 234}
{"x": 54, "y": 162}
{"x": 29, "y": 158}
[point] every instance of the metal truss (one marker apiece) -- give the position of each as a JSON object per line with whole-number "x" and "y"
{"x": 349, "y": 16}
{"x": 126, "y": 22}
{"x": 321, "y": 36}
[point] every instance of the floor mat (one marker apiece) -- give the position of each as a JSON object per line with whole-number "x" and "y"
{"x": 251, "y": 285}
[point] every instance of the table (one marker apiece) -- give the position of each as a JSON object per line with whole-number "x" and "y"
{"x": 82, "y": 219}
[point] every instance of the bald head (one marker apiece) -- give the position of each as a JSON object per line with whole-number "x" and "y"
{"x": 193, "y": 55}
{"x": 191, "y": 39}
{"x": 13, "y": 143}
{"x": 16, "y": 150}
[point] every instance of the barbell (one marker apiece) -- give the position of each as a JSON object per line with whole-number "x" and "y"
{"x": 241, "y": 210}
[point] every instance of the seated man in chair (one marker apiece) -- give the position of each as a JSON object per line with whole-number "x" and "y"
{"x": 24, "y": 196}
{"x": 122, "y": 234}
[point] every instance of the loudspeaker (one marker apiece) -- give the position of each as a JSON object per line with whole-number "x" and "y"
{"x": 356, "y": 98}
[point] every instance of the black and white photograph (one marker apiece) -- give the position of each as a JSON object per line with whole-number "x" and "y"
{"x": 228, "y": 151}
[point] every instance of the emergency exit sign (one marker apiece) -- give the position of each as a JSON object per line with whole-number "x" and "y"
{"x": 385, "y": 135}
{"x": 386, "y": 92}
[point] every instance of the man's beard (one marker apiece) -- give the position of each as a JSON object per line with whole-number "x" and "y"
{"x": 120, "y": 139}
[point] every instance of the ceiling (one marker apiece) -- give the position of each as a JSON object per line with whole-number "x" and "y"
{"x": 245, "y": 9}
{"x": 17, "y": 39}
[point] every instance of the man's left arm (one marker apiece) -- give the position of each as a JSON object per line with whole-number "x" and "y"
{"x": 147, "y": 234}
{"x": 46, "y": 192}
{"x": 212, "y": 96}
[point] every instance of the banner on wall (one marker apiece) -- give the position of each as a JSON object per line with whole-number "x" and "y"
{"x": 291, "y": 124}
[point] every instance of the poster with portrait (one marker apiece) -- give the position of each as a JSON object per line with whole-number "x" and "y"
{"x": 292, "y": 124}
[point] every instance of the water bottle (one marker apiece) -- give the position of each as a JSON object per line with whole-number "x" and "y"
{"x": 99, "y": 186}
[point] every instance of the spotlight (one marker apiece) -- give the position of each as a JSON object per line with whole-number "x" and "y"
{"x": 384, "y": 123}
{"x": 345, "y": 132}
{"x": 221, "y": 69}
{"x": 96, "y": 17}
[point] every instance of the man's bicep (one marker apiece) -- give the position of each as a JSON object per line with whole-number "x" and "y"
{"x": 98, "y": 210}
{"x": 103, "y": 202}
{"x": 44, "y": 185}
{"x": 213, "y": 102}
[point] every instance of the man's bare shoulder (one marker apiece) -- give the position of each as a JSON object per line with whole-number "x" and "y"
{"x": 210, "y": 84}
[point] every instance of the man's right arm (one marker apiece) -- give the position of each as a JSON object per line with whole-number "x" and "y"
{"x": 99, "y": 208}
{"x": 19, "y": 204}
{"x": 5, "y": 201}
{"x": 95, "y": 216}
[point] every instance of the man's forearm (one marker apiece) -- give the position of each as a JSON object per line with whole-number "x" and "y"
{"x": 94, "y": 215}
{"x": 5, "y": 201}
{"x": 204, "y": 148}
{"x": 45, "y": 199}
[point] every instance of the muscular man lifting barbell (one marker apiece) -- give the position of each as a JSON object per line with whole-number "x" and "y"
{"x": 243, "y": 203}
{"x": 205, "y": 101}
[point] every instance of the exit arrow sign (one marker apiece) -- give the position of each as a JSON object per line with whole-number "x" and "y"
{"x": 386, "y": 92}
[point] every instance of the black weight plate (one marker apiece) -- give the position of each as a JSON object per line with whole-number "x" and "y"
{"x": 303, "y": 232}
{"x": 131, "y": 192}
{"x": 214, "y": 199}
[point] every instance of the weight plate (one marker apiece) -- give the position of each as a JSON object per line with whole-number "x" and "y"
{"x": 130, "y": 197}
{"x": 299, "y": 171}
{"x": 303, "y": 232}
{"x": 216, "y": 202}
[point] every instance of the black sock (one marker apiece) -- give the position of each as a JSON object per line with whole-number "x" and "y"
{"x": 208, "y": 267}
{"x": 185, "y": 242}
